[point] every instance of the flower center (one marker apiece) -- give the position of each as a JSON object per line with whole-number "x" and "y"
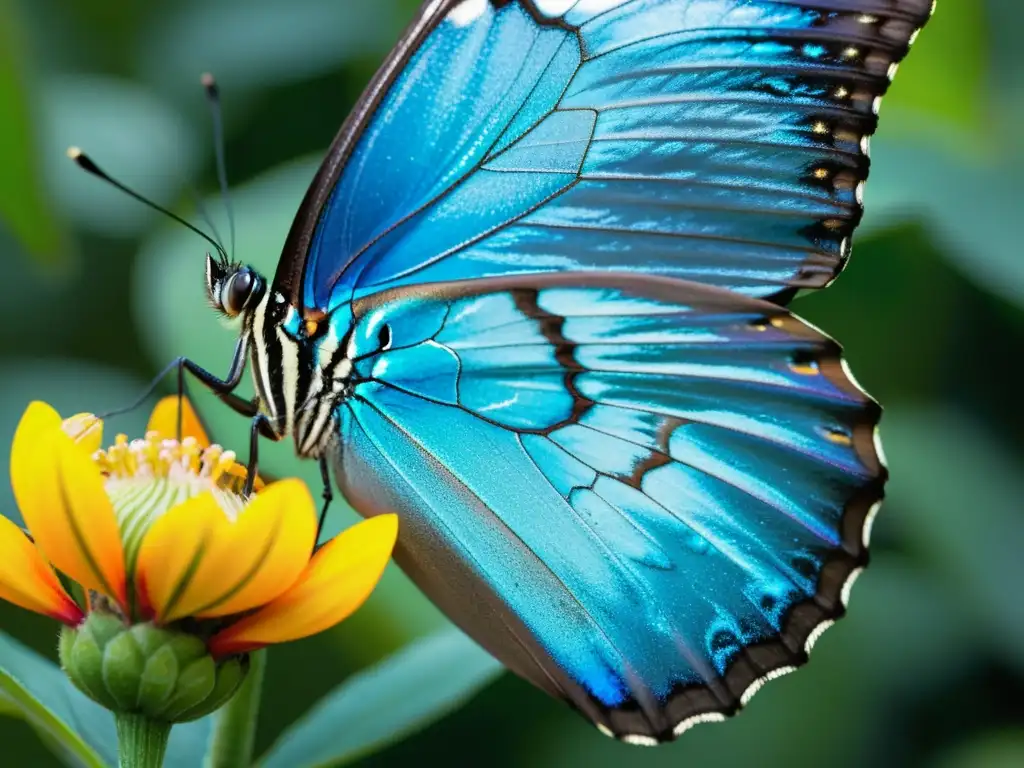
{"x": 182, "y": 462}
{"x": 146, "y": 478}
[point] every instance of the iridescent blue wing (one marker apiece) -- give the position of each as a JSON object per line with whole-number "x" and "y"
{"x": 646, "y": 496}
{"x": 719, "y": 141}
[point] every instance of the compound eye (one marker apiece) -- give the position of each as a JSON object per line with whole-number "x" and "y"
{"x": 236, "y": 291}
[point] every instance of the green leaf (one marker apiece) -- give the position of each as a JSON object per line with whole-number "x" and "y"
{"x": 78, "y": 729}
{"x": 24, "y": 207}
{"x": 387, "y": 702}
{"x": 956, "y": 497}
{"x": 948, "y": 92}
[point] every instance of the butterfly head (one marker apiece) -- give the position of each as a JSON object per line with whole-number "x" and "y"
{"x": 232, "y": 289}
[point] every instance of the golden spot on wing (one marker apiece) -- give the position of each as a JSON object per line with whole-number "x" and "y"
{"x": 838, "y": 437}
{"x": 805, "y": 369}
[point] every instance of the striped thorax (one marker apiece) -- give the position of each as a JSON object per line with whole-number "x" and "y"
{"x": 299, "y": 368}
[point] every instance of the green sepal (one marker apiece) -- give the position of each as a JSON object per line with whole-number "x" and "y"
{"x": 195, "y": 684}
{"x": 158, "y": 678}
{"x": 165, "y": 675}
{"x": 82, "y": 660}
{"x": 123, "y": 664}
{"x": 230, "y": 675}
{"x": 103, "y": 627}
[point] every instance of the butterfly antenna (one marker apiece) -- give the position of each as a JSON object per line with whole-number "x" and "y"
{"x": 213, "y": 97}
{"x": 84, "y": 162}
{"x": 201, "y": 208}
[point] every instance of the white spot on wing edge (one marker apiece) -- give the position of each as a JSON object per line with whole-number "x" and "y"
{"x": 605, "y": 730}
{"x": 879, "y": 449}
{"x": 466, "y": 12}
{"x": 755, "y": 686}
{"x": 816, "y": 633}
{"x": 844, "y": 595}
{"x": 707, "y": 717}
{"x": 869, "y": 523}
{"x": 640, "y": 741}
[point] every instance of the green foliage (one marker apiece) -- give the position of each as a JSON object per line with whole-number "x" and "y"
{"x": 927, "y": 668}
{"x": 387, "y": 702}
{"x": 39, "y": 692}
{"x": 946, "y": 80}
{"x": 24, "y": 207}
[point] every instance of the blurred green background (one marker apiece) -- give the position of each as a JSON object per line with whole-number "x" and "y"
{"x": 96, "y": 293}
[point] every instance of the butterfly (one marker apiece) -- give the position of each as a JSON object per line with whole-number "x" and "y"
{"x": 534, "y": 301}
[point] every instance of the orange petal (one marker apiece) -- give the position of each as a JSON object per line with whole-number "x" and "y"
{"x": 27, "y": 580}
{"x": 60, "y": 493}
{"x": 196, "y": 561}
{"x": 86, "y": 430}
{"x": 338, "y": 580}
{"x": 164, "y": 420}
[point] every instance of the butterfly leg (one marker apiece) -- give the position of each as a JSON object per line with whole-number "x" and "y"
{"x": 328, "y": 495}
{"x": 261, "y": 426}
{"x": 223, "y": 388}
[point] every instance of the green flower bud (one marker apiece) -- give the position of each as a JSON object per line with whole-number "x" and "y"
{"x": 165, "y": 675}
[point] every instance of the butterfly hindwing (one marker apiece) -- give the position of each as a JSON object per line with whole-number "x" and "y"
{"x": 643, "y": 495}
{"x": 720, "y": 141}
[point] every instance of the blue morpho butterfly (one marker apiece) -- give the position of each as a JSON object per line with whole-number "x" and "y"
{"x": 534, "y": 302}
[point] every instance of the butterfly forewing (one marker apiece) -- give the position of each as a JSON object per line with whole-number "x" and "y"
{"x": 722, "y": 142}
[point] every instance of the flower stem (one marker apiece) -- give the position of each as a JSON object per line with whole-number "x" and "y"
{"x": 141, "y": 742}
{"x": 234, "y": 732}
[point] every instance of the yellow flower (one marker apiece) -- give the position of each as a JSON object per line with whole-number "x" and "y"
{"x": 156, "y": 530}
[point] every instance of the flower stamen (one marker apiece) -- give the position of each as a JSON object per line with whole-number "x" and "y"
{"x": 185, "y": 462}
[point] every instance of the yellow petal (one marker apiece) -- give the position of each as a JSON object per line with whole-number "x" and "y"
{"x": 164, "y": 420}
{"x": 60, "y": 494}
{"x": 195, "y": 561}
{"x": 338, "y": 580}
{"x": 27, "y": 580}
{"x": 86, "y": 430}
{"x": 172, "y": 549}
